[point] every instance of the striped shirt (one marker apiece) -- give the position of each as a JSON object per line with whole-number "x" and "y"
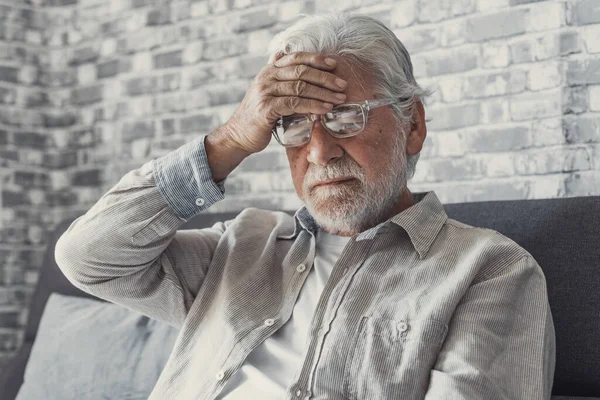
{"x": 418, "y": 307}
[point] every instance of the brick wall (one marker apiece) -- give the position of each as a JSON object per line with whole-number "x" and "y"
{"x": 90, "y": 89}
{"x": 24, "y": 167}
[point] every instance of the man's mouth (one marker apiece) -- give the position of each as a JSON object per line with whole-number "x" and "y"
{"x": 333, "y": 182}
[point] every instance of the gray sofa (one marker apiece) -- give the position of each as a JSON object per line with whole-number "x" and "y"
{"x": 562, "y": 234}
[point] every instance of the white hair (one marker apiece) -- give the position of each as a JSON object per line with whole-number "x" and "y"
{"x": 370, "y": 45}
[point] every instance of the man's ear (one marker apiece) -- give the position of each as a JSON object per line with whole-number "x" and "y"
{"x": 418, "y": 130}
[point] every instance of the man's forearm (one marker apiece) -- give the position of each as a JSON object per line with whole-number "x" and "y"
{"x": 222, "y": 156}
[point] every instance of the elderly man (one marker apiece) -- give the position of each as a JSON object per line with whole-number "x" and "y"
{"x": 367, "y": 292}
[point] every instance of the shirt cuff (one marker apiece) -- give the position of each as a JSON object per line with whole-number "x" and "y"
{"x": 184, "y": 179}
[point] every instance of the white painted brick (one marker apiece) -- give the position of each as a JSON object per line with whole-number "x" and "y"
{"x": 453, "y": 33}
{"x": 495, "y": 111}
{"x": 591, "y": 38}
{"x": 141, "y": 106}
{"x": 192, "y": 53}
{"x": 28, "y": 74}
{"x": 544, "y": 76}
{"x": 404, "y": 13}
{"x": 135, "y": 21}
{"x": 218, "y": 6}
{"x": 420, "y": 172}
{"x": 462, "y": 7}
{"x": 141, "y": 62}
{"x": 116, "y": 6}
{"x": 585, "y": 183}
{"x": 495, "y": 55}
{"x": 429, "y": 149}
{"x": 450, "y": 144}
{"x": 547, "y": 132}
{"x": 289, "y": 10}
{"x": 87, "y": 116}
{"x": 487, "y": 5}
{"x": 36, "y": 196}
{"x": 195, "y": 99}
{"x": 545, "y": 15}
{"x": 495, "y": 84}
{"x": 451, "y": 88}
{"x": 547, "y": 186}
{"x": 258, "y": 41}
{"x": 419, "y": 38}
{"x": 527, "y": 106}
{"x": 449, "y": 117}
{"x": 86, "y": 73}
{"x": 35, "y": 234}
{"x": 546, "y": 46}
{"x": 32, "y": 36}
{"x": 112, "y": 90}
{"x": 199, "y": 9}
{"x": 433, "y": 10}
{"x": 60, "y": 180}
{"x": 140, "y": 148}
{"x": 500, "y": 24}
{"x": 594, "y": 92}
{"x": 596, "y": 155}
{"x": 552, "y": 160}
{"x": 108, "y": 47}
{"x": 498, "y": 165}
{"x": 242, "y": 4}
{"x": 338, "y": 5}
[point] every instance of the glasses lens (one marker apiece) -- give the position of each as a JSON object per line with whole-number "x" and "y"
{"x": 345, "y": 120}
{"x": 294, "y": 130}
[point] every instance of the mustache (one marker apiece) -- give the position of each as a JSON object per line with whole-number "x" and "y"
{"x": 342, "y": 168}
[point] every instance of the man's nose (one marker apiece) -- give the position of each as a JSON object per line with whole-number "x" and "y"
{"x": 322, "y": 147}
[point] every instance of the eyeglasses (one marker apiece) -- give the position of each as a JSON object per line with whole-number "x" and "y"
{"x": 343, "y": 121}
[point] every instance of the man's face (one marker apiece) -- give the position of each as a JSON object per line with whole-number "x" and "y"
{"x": 375, "y": 160}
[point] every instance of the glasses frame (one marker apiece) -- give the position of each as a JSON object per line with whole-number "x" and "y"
{"x": 365, "y": 106}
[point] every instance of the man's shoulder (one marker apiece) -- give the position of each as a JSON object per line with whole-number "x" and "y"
{"x": 489, "y": 243}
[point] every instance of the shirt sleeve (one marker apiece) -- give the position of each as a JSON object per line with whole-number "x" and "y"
{"x": 501, "y": 340}
{"x": 127, "y": 249}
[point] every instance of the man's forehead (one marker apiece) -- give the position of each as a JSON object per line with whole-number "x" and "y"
{"x": 359, "y": 80}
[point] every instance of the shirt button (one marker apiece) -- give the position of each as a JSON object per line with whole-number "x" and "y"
{"x": 220, "y": 375}
{"x": 344, "y": 271}
{"x": 298, "y": 393}
{"x": 199, "y": 201}
{"x": 402, "y": 326}
{"x": 269, "y": 321}
{"x": 301, "y": 268}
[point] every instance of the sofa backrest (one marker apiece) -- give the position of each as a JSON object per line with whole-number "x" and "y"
{"x": 562, "y": 234}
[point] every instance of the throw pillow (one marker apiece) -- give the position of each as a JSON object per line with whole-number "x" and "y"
{"x": 88, "y": 349}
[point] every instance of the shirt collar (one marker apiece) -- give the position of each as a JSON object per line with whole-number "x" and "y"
{"x": 422, "y": 222}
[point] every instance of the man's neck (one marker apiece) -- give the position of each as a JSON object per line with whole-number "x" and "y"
{"x": 406, "y": 200}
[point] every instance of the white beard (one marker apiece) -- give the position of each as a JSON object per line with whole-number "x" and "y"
{"x": 353, "y": 207}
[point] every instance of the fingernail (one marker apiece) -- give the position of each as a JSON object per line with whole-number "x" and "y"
{"x": 340, "y": 82}
{"x": 330, "y": 61}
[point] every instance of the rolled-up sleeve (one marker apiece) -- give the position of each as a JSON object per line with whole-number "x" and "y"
{"x": 501, "y": 340}
{"x": 127, "y": 248}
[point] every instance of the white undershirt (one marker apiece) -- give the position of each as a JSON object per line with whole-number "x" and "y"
{"x": 270, "y": 368}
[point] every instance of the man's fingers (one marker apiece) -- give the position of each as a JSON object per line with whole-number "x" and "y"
{"x": 310, "y": 75}
{"x": 307, "y": 90}
{"x": 301, "y": 57}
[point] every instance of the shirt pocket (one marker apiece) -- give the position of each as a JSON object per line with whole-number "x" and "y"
{"x": 391, "y": 358}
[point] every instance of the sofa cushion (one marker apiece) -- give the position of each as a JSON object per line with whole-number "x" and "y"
{"x": 87, "y": 349}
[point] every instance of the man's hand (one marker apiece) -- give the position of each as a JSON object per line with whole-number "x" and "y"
{"x": 296, "y": 83}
